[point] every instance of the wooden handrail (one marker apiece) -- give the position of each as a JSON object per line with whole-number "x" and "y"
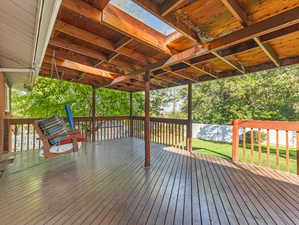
{"x": 277, "y": 127}
{"x": 271, "y": 125}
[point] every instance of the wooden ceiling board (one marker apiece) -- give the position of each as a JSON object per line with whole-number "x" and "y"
{"x": 83, "y": 43}
{"x": 209, "y": 18}
{"x": 215, "y": 64}
{"x": 258, "y": 10}
{"x": 89, "y": 25}
{"x": 286, "y": 46}
{"x": 252, "y": 57}
{"x": 181, "y": 44}
{"x": 145, "y": 49}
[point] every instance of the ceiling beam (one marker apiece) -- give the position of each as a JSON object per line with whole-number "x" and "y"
{"x": 168, "y": 19}
{"x": 236, "y": 10}
{"x": 266, "y": 27}
{"x": 169, "y": 5}
{"x": 81, "y": 67}
{"x": 200, "y": 69}
{"x": 98, "y": 41}
{"x": 237, "y": 67}
{"x": 120, "y": 21}
{"x": 80, "y": 49}
{"x": 101, "y": 4}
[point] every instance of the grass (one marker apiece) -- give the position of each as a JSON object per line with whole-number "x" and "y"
{"x": 223, "y": 150}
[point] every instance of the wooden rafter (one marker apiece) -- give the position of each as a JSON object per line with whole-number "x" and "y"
{"x": 61, "y": 43}
{"x": 169, "y": 5}
{"x": 267, "y": 26}
{"x": 200, "y": 69}
{"x": 169, "y": 19}
{"x": 237, "y": 67}
{"x": 98, "y": 41}
{"x": 83, "y": 68}
{"x": 236, "y": 10}
{"x": 120, "y": 21}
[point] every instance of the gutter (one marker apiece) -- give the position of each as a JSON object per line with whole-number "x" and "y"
{"x": 48, "y": 11}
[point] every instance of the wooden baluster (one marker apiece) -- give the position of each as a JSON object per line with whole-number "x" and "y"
{"x": 287, "y": 152}
{"x": 268, "y": 148}
{"x": 244, "y": 145}
{"x": 97, "y": 128}
{"x": 33, "y": 143}
{"x": 251, "y": 145}
{"x": 277, "y": 149}
{"x": 28, "y": 137}
{"x": 22, "y": 136}
{"x": 260, "y": 147}
{"x": 163, "y": 134}
{"x": 172, "y": 134}
{"x": 16, "y": 136}
{"x": 180, "y": 135}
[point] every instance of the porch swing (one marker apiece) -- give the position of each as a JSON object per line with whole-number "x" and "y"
{"x": 56, "y": 138}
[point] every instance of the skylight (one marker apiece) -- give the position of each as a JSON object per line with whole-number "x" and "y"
{"x": 142, "y": 15}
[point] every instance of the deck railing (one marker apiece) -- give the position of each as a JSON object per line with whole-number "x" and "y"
{"x": 20, "y": 134}
{"x": 165, "y": 131}
{"x": 251, "y": 143}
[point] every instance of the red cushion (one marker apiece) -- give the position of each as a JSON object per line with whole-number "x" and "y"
{"x": 69, "y": 140}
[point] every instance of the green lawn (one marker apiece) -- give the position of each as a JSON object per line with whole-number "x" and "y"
{"x": 224, "y": 150}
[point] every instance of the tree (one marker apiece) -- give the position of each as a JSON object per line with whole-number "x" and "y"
{"x": 48, "y": 97}
{"x": 266, "y": 95}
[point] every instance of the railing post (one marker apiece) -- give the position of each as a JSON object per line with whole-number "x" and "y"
{"x": 189, "y": 123}
{"x": 131, "y": 115}
{"x": 147, "y": 129}
{"x": 235, "y": 140}
{"x": 7, "y": 142}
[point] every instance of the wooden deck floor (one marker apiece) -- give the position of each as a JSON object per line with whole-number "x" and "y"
{"x": 106, "y": 184}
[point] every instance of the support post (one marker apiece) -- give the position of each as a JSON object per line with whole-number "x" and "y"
{"x": 235, "y": 141}
{"x": 131, "y": 114}
{"x": 147, "y": 129}
{"x": 189, "y": 122}
{"x": 93, "y": 108}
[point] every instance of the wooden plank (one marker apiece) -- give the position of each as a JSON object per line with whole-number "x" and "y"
{"x": 237, "y": 67}
{"x": 61, "y": 43}
{"x": 121, "y": 21}
{"x": 97, "y": 40}
{"x": 127, "y": 25}
{"x": 169, "y": 19}
{"x": 234, "y": 7}
{"x": 266, "y": 26}
{"x": 169, "y": 5}
{"x": 83, "y": 68}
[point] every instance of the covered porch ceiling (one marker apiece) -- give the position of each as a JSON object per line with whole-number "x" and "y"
{"x": 96, "y": 43}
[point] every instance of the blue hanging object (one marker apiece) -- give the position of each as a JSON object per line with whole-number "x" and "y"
{"x": 70, "y": 117}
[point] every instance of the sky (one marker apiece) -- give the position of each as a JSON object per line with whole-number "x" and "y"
{"x": 139, "y": 13}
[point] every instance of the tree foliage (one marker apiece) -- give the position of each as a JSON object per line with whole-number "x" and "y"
{"x": 49, "y": 96}
{"x": 266, "y": 95}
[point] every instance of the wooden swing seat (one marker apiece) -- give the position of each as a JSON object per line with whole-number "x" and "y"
{"x": 72, "y": 135}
